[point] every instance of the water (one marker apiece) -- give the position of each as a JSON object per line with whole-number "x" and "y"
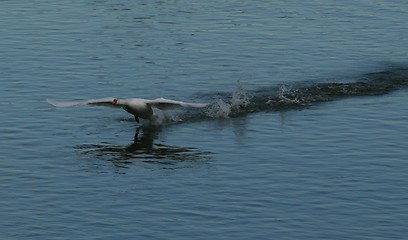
{"x": 309, "y": 144}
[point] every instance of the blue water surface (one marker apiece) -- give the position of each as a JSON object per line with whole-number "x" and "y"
{"x": 326, "y": 170}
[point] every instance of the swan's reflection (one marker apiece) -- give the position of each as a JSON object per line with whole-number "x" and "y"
{"x": 144, "y": 151}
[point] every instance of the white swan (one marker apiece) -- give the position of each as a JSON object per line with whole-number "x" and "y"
{"x": 139, "y": 107}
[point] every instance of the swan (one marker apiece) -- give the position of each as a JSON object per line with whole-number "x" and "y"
{"x": 138, "y": 107}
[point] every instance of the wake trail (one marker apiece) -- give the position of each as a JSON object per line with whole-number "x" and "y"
{"x": 281, "y": 97}
{"x": 300, "y": 95}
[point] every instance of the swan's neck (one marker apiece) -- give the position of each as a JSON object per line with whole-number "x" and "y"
{"x": 138, "y": 108}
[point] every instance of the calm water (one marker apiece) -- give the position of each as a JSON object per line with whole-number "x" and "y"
{"x": 307, "y": 146}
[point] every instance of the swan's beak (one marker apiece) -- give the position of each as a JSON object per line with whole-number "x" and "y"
{"x": 115, "y": 101}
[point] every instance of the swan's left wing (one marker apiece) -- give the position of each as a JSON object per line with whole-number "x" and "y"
{"x": 165, "y": 104}
{"x": 97, "y": 102}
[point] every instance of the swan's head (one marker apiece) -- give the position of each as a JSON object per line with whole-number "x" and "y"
{"x": 115, "y": 101}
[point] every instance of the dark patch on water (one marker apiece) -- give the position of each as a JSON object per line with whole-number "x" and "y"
{"x": 143, "y": 150}
{"x": 373, "y": 84}
{"x": 300, "y": 95}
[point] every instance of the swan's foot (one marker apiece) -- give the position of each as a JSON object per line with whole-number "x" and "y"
{"x": 137, "y": 119}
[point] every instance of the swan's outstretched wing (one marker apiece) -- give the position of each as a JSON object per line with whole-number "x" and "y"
{"x": 98, "y": 102}
{"x": 165, "y": 104}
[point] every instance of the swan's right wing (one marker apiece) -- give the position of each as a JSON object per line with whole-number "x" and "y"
{"x": 97, "y": 102}
{"x": 165, "y": 104}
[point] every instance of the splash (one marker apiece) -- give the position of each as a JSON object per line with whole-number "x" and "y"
{"x": 285, "y": 94}
{"x": 161, "y": 118}
{"x": 237, "y": 103}
{"x": 218, "y": 109}
{"x": 240, "y": 98}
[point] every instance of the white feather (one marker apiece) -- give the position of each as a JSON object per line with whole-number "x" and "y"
{"x": 139, "y": 107}
{"x": 164, "y": 104}
{"x": 102, "y": 101}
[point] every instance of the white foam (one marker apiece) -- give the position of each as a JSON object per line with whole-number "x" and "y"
{"x": 161, "y": 118}
{"x": 285, "y": 90}
{"x": 222, "y": 109}
{"x": 218, "y": 109}
{"x": 240, "y": 97}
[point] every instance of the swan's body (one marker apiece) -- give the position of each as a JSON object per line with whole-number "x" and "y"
{"x": 138, "y": 107}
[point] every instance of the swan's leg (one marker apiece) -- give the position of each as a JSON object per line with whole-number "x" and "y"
{"x": 136, "y": 137}
{"x": 137, "y": 119}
